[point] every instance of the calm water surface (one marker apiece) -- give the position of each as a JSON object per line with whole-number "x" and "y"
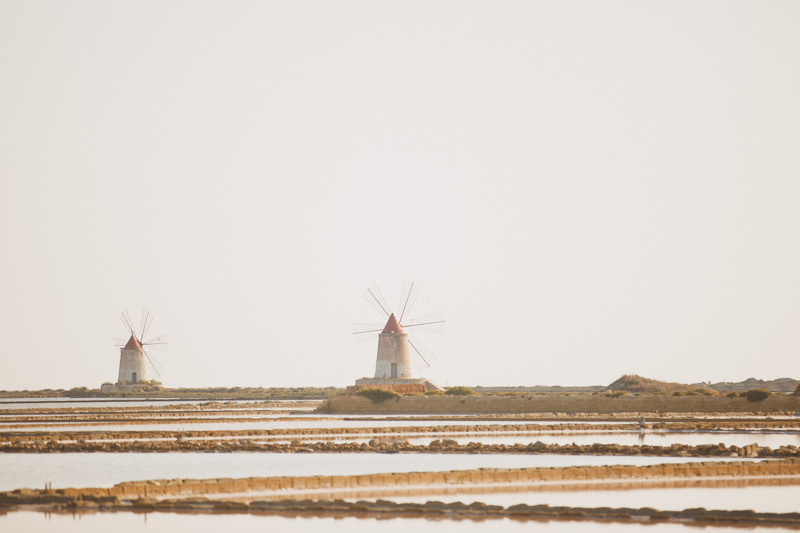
{"x": 277, "y": 423}
{"x": 61, "y": 403}
{"x": 29, "y": 522}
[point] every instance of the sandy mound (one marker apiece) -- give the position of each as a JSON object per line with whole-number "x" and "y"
{"x": 634, "y": 383}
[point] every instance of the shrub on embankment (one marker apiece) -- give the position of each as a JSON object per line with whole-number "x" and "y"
{"x": 755, "y": 395}
{"x": 377, "y": 395}
{"x": 557, "y": 403}
{"x": 459, "y": 391}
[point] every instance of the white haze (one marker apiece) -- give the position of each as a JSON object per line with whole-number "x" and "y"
{"x": 585, "y": 188}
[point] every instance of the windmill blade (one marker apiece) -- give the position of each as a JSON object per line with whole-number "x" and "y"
{"x": 420, "y": 366}
{"x": 424, "y": 353}
{"x": 366, "y": 328}
{"x": 408, "y": 296}
{"x": 158, "y": 343}
{"x": 118, "y": 342}
{"x": 430, "y": 323}
{"x": 152, "y": 362}
{"x": 142, "y": 321}
{"x": 377, "y": 301}
{"x": 147, "y": 321}
{"x": 126, "y": 319}
{"x": 366, "y": 332}
{"x": 365, "y": 336}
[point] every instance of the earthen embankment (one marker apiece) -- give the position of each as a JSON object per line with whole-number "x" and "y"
{"x": 280, "y": 485}
{"x": 402, "y": 446}
{"x": 554, "y": 403}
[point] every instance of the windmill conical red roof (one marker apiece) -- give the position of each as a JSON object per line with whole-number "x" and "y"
{"x": 133, "y": 344}
{"x": 392, "y": 325}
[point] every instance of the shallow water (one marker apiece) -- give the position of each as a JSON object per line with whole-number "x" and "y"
{"x": 66, "y": 403}
{"x": 288, "y": 423}
{"x": 772, "y": 439}
{"x": 33, "y": 470}
{"x": 29, "y": 522}
{"x": 179, "y": 414}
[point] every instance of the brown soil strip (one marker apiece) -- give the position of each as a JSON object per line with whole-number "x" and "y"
{"x": 300, "y": 431}
{"x": 434, "y": 510}
{"x": 55, "y": 443}
{"x": 22, "y": 422}
{"x": 572, "y": 486}
{"x": 13, "y": 436}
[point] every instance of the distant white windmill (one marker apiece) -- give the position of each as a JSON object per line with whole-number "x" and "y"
{"x": 393, "y": 362}
{"x": 133, "y": 357}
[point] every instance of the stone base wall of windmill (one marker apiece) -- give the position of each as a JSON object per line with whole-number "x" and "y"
{"x": 109, "y": 388}
{"x": 131, "y": 367}
{"x": 400, "y": 386}
{"x": 393, "y": 361}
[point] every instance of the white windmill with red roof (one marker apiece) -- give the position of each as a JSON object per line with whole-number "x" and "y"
{"x": 393, "y": 362}
{"x": 133, "y": 357}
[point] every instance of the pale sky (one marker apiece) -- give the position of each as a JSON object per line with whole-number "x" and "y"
{"x": 585, "y": 188}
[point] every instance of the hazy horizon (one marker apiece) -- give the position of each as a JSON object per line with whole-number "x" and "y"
{"x": 585, "y": 189}
{"x": 476, "y": 385}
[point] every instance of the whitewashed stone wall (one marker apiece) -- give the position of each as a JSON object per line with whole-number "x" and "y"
{"x": 392, "y": 349}
{"x": 131, "y": 362}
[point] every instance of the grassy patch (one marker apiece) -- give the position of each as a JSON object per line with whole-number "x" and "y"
{"x": 377, "y": 395}
{"x": 459, "y": 391}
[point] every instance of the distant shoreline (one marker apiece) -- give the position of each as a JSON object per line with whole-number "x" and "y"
{"x": 154, "y": 392}
{"x": 631, "y": 388}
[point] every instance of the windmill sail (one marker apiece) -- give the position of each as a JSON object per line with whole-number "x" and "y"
{"x": 376, "y": 300}
{"x": 408, "y": 297}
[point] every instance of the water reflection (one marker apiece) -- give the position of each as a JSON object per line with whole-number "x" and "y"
{"x": 760, "y": 498}
{"x": 213, "y": 523}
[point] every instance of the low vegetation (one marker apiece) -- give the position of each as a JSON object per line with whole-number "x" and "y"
{"x": 629, "y": 384}
{"x": 755, "y": 395}
{"x": 377, "y": 395}
{"x": 459, "y": 391}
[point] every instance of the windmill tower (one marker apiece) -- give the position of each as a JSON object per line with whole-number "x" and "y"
{"x": 133, "y": 357}
{"x": 393, "y": 362}
{"x": 132, "y": 368}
